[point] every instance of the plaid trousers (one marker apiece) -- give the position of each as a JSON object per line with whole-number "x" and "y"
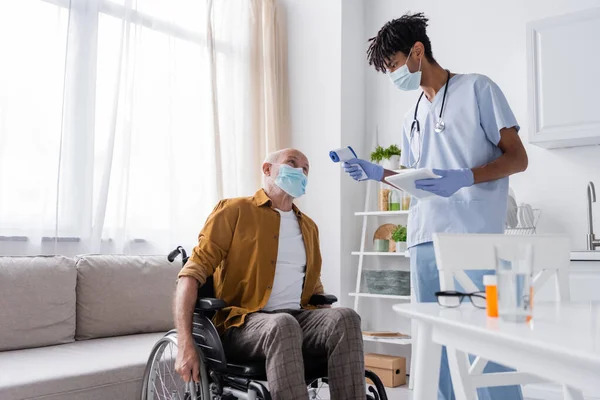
{"x": 282, "y": 337}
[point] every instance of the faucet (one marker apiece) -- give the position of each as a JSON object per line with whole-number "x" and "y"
{"x": 592, "y": 242}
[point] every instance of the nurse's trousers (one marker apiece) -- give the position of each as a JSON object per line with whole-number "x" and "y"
{"x": 425, "y": 282}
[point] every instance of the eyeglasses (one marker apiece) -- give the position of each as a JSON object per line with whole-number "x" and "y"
{"x": 453, "y": 299}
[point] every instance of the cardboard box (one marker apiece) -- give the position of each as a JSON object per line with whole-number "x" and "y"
{"x": 390, "y": 369}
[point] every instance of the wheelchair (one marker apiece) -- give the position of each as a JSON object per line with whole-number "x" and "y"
{"x": 220, "y": 378}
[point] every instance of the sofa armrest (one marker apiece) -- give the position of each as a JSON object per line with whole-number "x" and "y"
{"x": 209, "y": 304}
{"x": 322, "y": 300}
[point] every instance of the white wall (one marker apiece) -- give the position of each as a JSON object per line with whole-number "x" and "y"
{"x": 489, "y": 38}
{"x": 352, "y": 196}
{"x": 314, "y": 35}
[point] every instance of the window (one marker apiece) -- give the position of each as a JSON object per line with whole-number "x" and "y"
{"x": 32, "y": 39}
{"x": 122, "y": 122}
{"x": 104, "y": 118}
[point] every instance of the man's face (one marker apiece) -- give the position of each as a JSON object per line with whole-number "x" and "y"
{"x": 294, "y": 159}
{"x": 411, "y": 60}
{"x": 396, "y": 61}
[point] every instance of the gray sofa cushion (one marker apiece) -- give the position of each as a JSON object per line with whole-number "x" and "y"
{"x": 109, "y": 368}
{"x": 37, "y": 301}
{"x": 122, "y": 295}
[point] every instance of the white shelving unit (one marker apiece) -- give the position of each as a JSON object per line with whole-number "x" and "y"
{"x": 380, "y": 253}
{"x": 379, "y": 296}
{"x": 363, "y": 253}
{"x": 404, "y": 342}
{"x": 381, "y": 213}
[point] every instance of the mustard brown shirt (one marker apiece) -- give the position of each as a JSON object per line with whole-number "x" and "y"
{"x": 238, "y": 246}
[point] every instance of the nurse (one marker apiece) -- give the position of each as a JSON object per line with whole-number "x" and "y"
{"x": 463, "y": 129}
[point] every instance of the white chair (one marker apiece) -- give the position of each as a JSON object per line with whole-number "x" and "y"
{"x": 457, "y": 253}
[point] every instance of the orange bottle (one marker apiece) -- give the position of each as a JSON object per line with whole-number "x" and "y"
{"x": 491, "y": 295}
{"x": 530, "y": 302}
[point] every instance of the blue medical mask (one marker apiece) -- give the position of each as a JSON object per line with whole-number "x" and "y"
{"x": 291, "y": 180}
{"x": 403, "y": 79}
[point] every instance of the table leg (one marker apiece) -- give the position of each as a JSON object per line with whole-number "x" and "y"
{"x": 427, "y": 363}
{"x": 413, "y": 354}
{"x": 459, "y": 364}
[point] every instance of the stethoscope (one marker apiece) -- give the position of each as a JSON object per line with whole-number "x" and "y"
{"x": 415, "y": 126}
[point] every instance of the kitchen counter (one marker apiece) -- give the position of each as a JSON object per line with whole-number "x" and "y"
{"x": 585, "y": 255}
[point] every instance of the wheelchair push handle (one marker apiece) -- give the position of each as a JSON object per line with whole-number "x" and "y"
{"x": 173, "y": 255}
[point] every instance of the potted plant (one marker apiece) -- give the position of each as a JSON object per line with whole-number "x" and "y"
{"x": 377, "y": 154}
{"x": 399, "y": 236}
{"x": 391, "y": 156}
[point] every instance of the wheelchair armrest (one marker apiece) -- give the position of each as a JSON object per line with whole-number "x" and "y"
{"x": 322, "y": 300}
{"x": 209, "y": 304}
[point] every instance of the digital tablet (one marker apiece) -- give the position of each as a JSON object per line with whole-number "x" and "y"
{"x": 405, "y": 180}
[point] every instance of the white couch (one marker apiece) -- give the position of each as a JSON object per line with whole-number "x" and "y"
{"x": 81, "y": 328}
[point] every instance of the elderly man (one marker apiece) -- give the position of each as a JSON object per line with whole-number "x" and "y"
{"x": 265, "y": 257}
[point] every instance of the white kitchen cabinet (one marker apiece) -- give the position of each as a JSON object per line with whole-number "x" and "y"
{"x": 563, "y": 55}
{"x": 584, "y": 278}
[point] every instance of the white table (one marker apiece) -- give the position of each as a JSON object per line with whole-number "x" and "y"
{"x": 561, "y": 343}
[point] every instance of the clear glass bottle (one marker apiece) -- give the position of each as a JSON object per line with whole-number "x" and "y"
{"x": 383, "y": 199}
{"x": 394, "y": 200}
{"x": 405, "y": 201}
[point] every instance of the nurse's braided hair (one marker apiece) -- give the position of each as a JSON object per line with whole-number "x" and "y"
{"x": 399, "y": 35}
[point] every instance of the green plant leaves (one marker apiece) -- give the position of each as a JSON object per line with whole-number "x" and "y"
{"x": 399, "y": 234}
{"x": 385, "y": 154}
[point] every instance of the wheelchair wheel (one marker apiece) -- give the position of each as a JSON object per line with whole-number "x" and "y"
{"x": 161, "y": 382}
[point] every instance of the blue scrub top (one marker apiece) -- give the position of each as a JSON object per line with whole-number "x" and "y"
{"x": 475, "y": 112}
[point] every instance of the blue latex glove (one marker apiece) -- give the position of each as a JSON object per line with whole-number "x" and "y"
{"x": 373, "y": 171}
{"x": 451, "y": 181}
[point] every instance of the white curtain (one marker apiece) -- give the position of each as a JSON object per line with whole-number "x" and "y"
{"x": 123, "y": 122}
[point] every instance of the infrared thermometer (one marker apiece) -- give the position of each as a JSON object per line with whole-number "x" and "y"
{"x": 345, "y": 154}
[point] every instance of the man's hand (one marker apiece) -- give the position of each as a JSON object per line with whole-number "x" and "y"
{"x": 187, "y": 363}
{"x": 450, "y": 181}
